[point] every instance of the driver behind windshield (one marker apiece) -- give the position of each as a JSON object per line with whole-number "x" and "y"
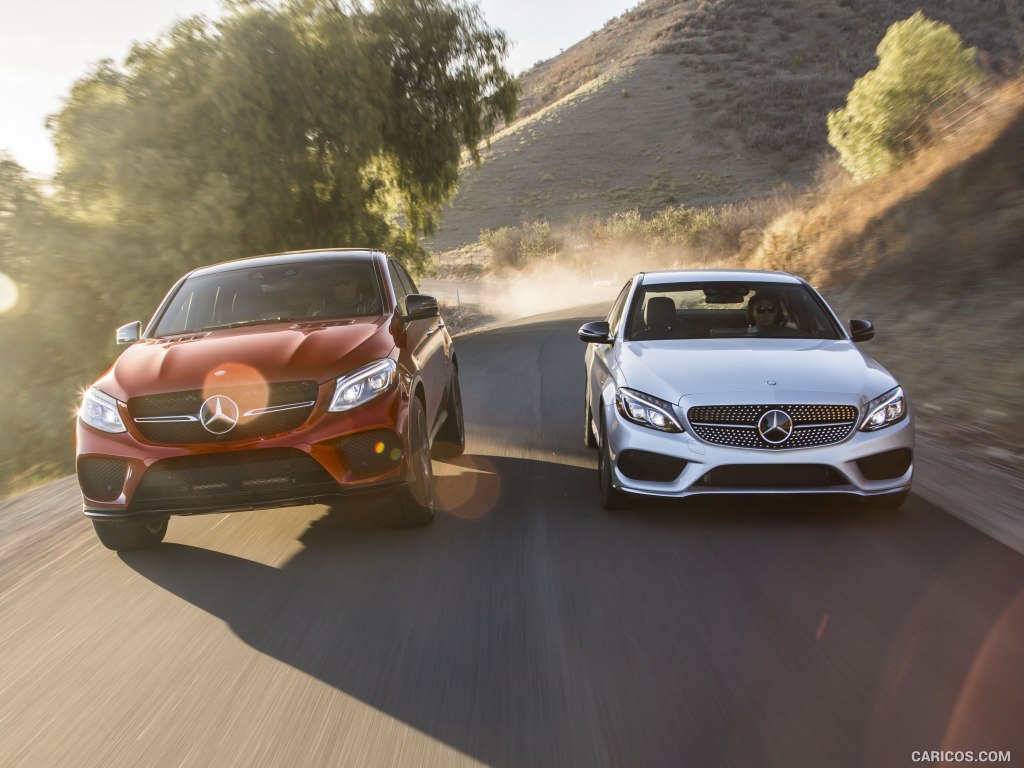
{"x": 351, "y": 293}
{"x": 762, "y": 311}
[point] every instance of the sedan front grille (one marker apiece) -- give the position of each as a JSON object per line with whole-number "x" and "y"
{"x": 737, "y": 425}
{"x": 174, "y": 418}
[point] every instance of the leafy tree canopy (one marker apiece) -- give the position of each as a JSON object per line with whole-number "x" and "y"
{"x": 278, "y": 127}
{"x": 922, "y": 64}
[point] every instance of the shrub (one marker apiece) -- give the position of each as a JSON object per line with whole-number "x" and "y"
{"x": 515, "y": 246}
{"x": 922, "y": 65}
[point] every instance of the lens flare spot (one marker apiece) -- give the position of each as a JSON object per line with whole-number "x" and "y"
{"x": 242, "y": 383}
{"x": 468, "y": 489}
{"x": 8, "y": 294}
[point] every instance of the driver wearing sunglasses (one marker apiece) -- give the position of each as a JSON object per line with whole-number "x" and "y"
{"x": 763, "y": 314}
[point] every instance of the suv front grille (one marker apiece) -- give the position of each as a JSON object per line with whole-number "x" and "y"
{"x": 174, "y": 418}
{"x": 737, "y": 425}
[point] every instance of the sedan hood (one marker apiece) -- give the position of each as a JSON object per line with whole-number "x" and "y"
{"x": 675, "y": 369}
{"x": 295, "y": 352}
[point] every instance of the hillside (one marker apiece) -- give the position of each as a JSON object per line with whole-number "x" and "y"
{"x": 932, "y": 255}
{"x": 697, "y": 102}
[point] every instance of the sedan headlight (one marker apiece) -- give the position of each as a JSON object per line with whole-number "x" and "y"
{"x": 885, "y": 410}
{"x": 646, "y": 410}
{"x": 364, "y": 384}
{"x": 99, "y": 410}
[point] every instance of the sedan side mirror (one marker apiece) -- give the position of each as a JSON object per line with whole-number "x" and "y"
{"x": 421, "y": 307}
{"x": 129, "y": 334}
{"x": 595, "y": 332}
{"x": 862, "y": 330}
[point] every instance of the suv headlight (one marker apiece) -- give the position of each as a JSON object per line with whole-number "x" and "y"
{"x": 364, "y": 384}
{"x": 885, "y": 410}
{"x": 99, "y": 410}
{"x": 646, "y": 410}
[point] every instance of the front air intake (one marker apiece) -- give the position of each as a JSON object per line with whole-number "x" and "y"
{"x": 102, "y": 479}
{"x": 650, "y": 467}
{"x": 887, "y": 465}
{"x": 371, "y": 453}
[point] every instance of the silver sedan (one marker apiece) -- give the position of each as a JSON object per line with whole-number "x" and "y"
{"x": 710, "y": 382}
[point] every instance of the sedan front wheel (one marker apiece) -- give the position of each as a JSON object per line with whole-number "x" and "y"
{"x": 610, "y": 496}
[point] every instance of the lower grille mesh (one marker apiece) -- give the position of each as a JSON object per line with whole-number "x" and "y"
{"x": 232, "y": 478}
{"x": 771, "y": 476}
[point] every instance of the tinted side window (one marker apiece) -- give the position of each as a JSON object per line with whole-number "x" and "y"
{"x": 409, "y": 284}
{"x": 615, "y": 316}
{"x": 401, "y": 287}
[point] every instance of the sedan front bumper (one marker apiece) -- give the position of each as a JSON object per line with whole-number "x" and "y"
{"x": 654, "y": 463}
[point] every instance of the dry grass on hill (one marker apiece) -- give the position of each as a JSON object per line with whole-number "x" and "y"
{"x": 701, "y": 102}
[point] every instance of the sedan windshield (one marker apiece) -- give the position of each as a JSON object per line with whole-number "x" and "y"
{"x": 284, "y": 293}
{"x": 729, "y": 310}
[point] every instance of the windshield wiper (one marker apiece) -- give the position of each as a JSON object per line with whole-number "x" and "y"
{"x": 241, "y": 323}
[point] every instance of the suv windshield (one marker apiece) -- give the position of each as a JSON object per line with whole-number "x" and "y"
{"x": 724, "y": 310}
{"x": 288, "y": 292}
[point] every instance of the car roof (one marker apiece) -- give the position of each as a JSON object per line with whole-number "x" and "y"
{"x": 717, "y": 275}
{"x": 291, "y": 257}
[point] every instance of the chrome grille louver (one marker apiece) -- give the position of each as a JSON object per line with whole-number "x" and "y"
{"x": 173, "y": 418}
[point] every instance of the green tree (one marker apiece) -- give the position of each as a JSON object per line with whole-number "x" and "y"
{"x": 286, "y": 127}
{"x": 922, "y": 65}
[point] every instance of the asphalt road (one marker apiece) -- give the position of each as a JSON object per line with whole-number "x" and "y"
{"x": 526, "y": 627}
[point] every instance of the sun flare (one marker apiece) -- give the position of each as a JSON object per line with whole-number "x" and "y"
{"x": 8, "y": 294}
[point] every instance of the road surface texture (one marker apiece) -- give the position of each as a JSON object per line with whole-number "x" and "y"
{"x": 526, "y": 627}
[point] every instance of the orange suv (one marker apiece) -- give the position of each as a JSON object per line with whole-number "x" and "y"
{"x": 289, "y": 379}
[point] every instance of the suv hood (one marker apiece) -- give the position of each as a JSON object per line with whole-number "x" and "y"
{"x": 293, "y": 352}
{"x": 674, "y": 369}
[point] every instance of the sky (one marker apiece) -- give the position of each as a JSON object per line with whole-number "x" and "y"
{"x": 46, "y": 46}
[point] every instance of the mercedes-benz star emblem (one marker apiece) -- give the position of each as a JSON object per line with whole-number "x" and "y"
{"x": 218, "y": 414}
{"x": 775, "y": 427}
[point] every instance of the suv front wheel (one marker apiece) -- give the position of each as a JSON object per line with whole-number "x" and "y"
{"x": 124, "y": 536}
{"x": 414, "y": 505}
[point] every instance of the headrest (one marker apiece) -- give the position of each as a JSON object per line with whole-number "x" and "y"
{"x": 660, "y": 312}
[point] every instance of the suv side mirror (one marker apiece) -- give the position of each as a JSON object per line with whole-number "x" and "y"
{"x": 421, "y": 307}
{"x": 129, "y": 334}
{"x": 595, "y": 332}
{"x": 862, "y": 330}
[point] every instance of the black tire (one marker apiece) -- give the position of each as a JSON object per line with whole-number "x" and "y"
{"x": 589, "y": 438}
{"x": 451, "y": 438}
{"x": 889, "y": 501}
{"x": 125, "y": 536}
{"x": 413, "y": 505}
{"x": 611, "y": 498}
